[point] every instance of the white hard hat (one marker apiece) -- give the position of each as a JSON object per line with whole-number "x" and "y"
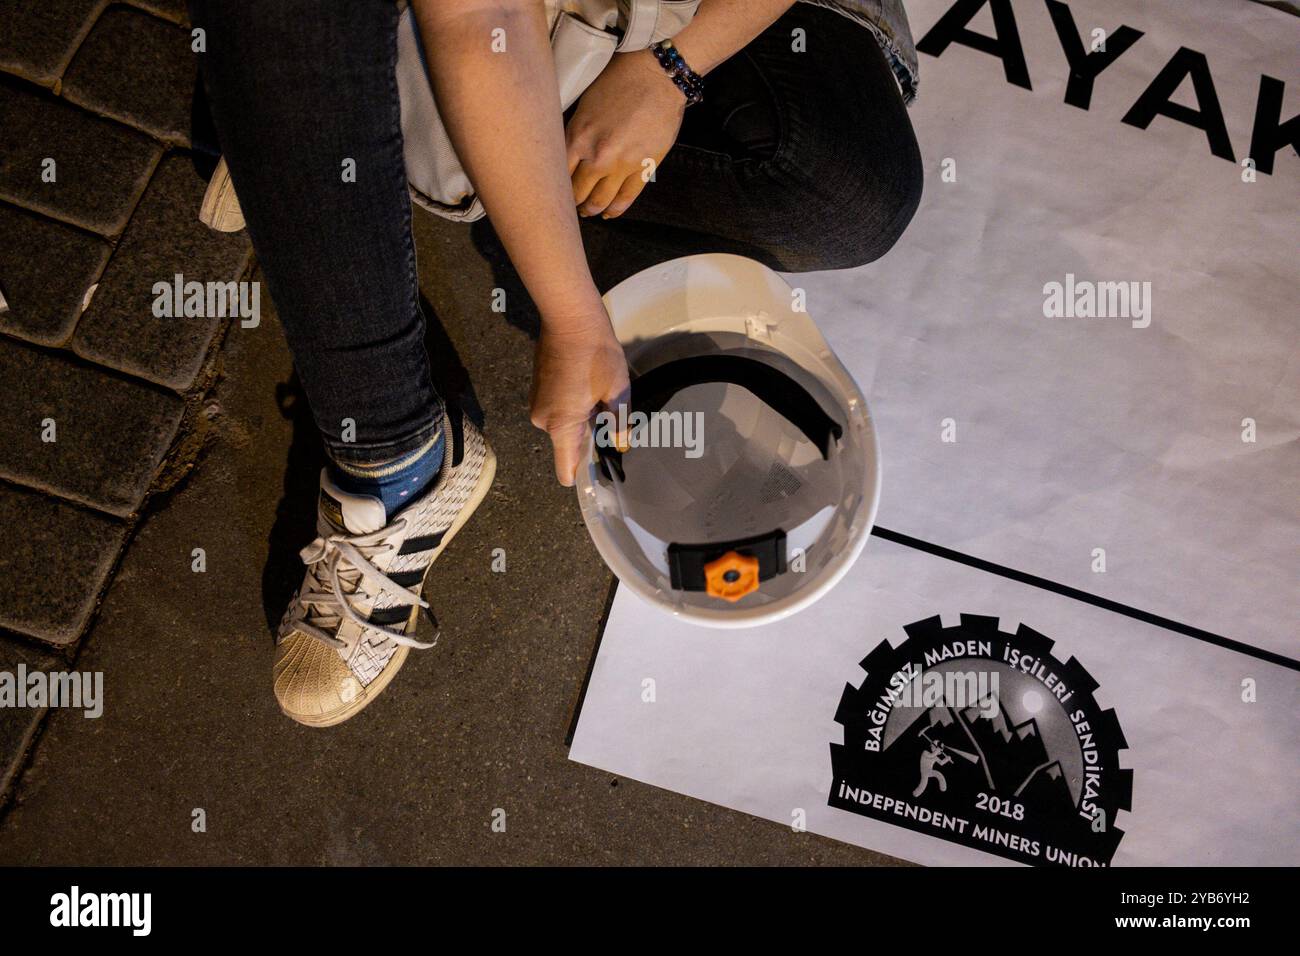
{"x": 764, "y": 509}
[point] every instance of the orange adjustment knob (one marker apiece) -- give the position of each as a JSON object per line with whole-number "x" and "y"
{"x": 731, "y": 576}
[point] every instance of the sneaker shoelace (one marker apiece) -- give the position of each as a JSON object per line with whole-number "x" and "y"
{"x": 339, "y": 568}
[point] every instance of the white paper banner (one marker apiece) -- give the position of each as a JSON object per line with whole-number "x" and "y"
{"x": 1147, "y": 455}
{"x": 746, "y": 719}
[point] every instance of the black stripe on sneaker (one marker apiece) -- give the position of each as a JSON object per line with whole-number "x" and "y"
{"x": 455, "y": 418}
{"x": 423, "y": 543}
{"x": 407, "y": 579}
{"x": 384, "y": 616}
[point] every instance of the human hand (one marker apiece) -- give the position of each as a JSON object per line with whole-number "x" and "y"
{"x": 629, "y": 116}
{"x": 578, "y": 366}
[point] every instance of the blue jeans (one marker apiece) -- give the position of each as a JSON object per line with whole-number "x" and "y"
{"x": 802, "y": 160}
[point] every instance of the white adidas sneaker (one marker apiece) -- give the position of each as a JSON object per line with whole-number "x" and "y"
{"x": 349, "y": 628}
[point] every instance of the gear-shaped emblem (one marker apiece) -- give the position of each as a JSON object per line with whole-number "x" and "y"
{"x": 983, "y": 738}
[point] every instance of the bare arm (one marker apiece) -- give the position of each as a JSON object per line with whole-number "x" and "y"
{"x": 502, "y": 111}
{"x": 494, "y": 82}
{"x": 722, "y": 28}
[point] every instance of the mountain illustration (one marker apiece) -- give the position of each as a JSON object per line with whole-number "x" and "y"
{"x": 985, "y": 754}
{"x": 1044, "y": 786}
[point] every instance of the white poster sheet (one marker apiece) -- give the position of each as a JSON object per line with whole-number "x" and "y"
{"x": 1082, "y": 363}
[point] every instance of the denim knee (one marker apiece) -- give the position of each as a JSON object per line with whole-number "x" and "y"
{"x": 853, "y": 218}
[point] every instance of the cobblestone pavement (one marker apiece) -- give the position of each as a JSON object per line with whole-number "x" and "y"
{"x": 100, "y": 184}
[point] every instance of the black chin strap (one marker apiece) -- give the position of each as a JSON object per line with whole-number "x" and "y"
{"x": 653, "y": 390}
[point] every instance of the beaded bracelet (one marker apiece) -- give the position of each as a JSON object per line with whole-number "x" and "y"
{"x": 687, "y": 80}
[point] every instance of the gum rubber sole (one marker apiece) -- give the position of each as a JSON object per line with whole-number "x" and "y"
{"x": 220, "y": 209}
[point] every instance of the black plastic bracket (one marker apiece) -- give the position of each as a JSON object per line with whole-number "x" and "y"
{"x": 686, "y": 561}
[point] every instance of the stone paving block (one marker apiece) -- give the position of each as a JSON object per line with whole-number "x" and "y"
{"x": 165, "y": 238}
{"x": 39, "y": 37}
{"x": 111, "y": 433}
{"x": 174, "y": 10}
{"x": 101, "y": 167}
{"x": 60, "y": 555}
{"x": 150, "y": 88}
{"x": 18, "y": 725}
{"x": 47, "y": 268}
